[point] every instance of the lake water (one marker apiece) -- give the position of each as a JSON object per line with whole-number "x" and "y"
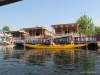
{"x": 49, "y": 62}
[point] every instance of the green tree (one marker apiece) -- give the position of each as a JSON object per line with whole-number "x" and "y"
{"x": 97, "y": 31}
{"x": 86, "y": 25}
{"x": 6, "y": 28}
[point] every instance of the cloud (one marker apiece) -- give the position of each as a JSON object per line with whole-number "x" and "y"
{"x": 97, "y": 22}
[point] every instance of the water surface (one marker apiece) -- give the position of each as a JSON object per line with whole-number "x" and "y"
{"x": 49, "y": 62}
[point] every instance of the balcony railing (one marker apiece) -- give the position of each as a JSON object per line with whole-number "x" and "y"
{"x": 68, "y": 34}
{"x": 33, "y": 37}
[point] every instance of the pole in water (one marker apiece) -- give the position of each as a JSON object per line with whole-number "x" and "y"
{"x": 86, "y": 43}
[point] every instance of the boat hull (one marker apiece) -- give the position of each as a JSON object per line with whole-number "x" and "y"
{"x": 39, "y": 46}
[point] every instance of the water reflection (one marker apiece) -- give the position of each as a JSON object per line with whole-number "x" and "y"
{"x": 37, "y": 57}
{"x": 10, "y": 53}
{"x": 66, "y": 60}
{"x": 48, "y": 55}
{"x": 54, "y": 61}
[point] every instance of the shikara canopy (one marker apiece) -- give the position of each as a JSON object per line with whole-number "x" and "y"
{"x": 5, "y": 2}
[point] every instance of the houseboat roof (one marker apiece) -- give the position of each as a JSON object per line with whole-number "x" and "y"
{"x": 5, "y": 2}
{"x": 65, "y": 24}
{"x": 36, "y": 27}
{"x": 14, "y": 31}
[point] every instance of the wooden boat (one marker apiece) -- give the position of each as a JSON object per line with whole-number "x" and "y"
{"x": 40, "y": 46}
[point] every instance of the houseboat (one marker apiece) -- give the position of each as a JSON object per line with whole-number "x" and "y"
{"x": 65, "y": 32}
{"x": 62, "y": 30}
{"x": 32, "y": 33}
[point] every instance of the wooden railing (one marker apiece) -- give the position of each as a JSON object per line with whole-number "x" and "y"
{"x": 30, "y": 37}
{"x": 74, "y": 34}
{"x": 89, "y": 39}
{"x": 34, "y": 37}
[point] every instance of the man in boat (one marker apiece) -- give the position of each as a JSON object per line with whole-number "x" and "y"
{"x": 51, "y": 42}
{"x": 11, "y": 40}
{"x": 72, "y": 39}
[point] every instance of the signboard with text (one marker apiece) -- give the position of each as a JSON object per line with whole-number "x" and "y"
{"x": 5, "y": 2}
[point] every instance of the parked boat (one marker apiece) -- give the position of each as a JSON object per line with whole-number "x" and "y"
{"x": 40, "y": 46}
{"x": 6, "y": 40}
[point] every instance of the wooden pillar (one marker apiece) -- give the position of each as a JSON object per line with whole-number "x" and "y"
{"x": 62, "y": 29}
{"x": 35, "y": 32}
{"x": 15, "y": 34}
{"x": 52, "y": 32}
{"x": 42, "y": 32}
{"x": 72, "y": 30}
{"x": 77, "y": 29}
{"x": 20, "y": 35}
{"x": 32, "y": 33}
{"x": 67, "y": 31}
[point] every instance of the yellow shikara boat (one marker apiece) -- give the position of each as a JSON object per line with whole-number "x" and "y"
{"x": 40, "y": 46}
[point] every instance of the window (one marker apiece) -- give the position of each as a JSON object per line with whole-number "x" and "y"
{"x": 66, "y": 31}
{"x": 58, "y": 31}
{"x": 37, "y": 34}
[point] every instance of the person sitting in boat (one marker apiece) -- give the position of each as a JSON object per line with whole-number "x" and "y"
{"x": 51, "y": 42}
{"x": 72, "y": 39}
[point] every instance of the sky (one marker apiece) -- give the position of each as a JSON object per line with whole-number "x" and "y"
{"x": 29, "y": 13}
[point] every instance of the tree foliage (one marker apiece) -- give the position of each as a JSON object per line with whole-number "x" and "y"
{"x": 97, "y": 31}
{"x": 6, "y": 28}
{"x": 86, "y": 25}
